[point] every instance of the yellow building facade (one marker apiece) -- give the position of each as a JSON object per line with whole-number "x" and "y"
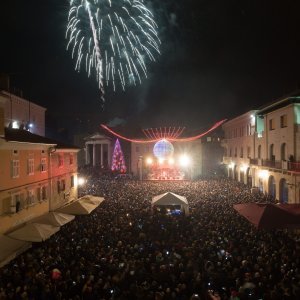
{"x": 37, "y": 175}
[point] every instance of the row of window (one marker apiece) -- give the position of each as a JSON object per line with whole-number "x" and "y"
{"x": 283, "y": 122}
{"x": 240, "y": 132}
{"x": 20, "y": 201}
{"x": 61, "y": 184}
{"x": 15, "y": 165}
{"x": 241, "y": 154}
{"x": 283, "y": 152}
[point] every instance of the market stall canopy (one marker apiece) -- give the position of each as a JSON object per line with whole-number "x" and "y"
{"x": 170, "y": 199}
{"x": 270, "y": 216}
{"x": 55, "y": 219}
{"x": 92, "y": 199}
{"x": 34, "y": 232}
{"x": 79, "y": 207}
{"x": 11, "y": 248}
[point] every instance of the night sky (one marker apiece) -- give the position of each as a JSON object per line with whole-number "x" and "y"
{"x": 220, "y": 58}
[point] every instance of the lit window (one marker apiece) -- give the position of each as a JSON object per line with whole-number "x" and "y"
{"x": 271, "y": 124}
{"x": 30, "y": 197}
{"x": 30, "y": 166}
{"x": 72, "y": 181}
{"x": 44, "y": 193}
{"x": 71, "y": 159}
{"x": 15, "y": 168}
{"x": 43, "y": 165}
{"x": 16, "y": 203}
{"x": 283, "y": 121}
{"x": 60, "y": 160}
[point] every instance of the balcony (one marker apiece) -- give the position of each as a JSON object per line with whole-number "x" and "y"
{"x": 275, "y": 164}
{"x": 294, "y": 166}
{"x": 253, "y": 161}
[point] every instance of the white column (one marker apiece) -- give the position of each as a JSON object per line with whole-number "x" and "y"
{"x": 87, "y": 154}
{"x": 94, "y": 155}
{"x": 108, "y": 155}
{"x": 101, "y": 154}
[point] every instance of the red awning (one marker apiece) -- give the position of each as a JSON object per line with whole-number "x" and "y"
{"x": 269, "y": 216}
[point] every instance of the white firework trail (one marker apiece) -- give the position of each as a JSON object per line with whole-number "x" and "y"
{"x": 115, "y": 39}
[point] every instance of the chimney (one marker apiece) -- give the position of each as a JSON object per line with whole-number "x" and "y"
{"x": 4, "y": 82}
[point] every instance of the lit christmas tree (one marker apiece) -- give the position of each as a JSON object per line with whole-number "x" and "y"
{"x": 118, "y": 161}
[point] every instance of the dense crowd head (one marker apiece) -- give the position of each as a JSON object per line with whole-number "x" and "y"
{"x": 125, "y": 250}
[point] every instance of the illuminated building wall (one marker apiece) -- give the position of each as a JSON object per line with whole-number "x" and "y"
{"x": 268, "y": 159}
{"x": 19, "y": 112}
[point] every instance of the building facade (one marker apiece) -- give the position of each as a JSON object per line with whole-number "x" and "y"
{"x": 262, "y": 149}
{"x": 37, "y": 175}
{"x": 98, "y": 151}
{"x": 20, "y": 113}
{"x": 205, "y": 156}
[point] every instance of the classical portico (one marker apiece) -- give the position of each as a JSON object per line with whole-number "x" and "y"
{"x": 98, "y": 149}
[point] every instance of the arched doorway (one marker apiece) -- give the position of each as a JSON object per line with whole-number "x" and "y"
{"x": 260, "y": 185}
{"x": 235, "y": 173}
{"x": 242, "y": 176}
{"x": 283, "y": 191}
{"x": 249, "y": 177}
{"x": 230, "y": 172}
{"x": 272, "y": 187}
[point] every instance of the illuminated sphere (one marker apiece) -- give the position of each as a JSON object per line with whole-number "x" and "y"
{"x": 163, "y": 149}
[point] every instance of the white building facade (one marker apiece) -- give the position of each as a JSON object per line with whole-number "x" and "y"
{"x": 20, "y": 113}
{"x": 262, "y": 149}
{"x": 98, "y": 151}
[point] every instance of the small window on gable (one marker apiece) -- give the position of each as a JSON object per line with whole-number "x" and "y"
{"x": 271, "y": 124}
{"x": 60, "y": 160}
{"x": 43, "y": 165}
{"x": 283, "y": 121}
{"x": 71, "y": 159}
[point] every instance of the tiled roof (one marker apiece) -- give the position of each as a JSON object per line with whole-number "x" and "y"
{"x": 24, "y": 136}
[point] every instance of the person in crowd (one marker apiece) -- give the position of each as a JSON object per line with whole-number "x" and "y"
{"x": 125, "y": 250}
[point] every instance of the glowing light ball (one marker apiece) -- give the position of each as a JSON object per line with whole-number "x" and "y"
{"x": 163, "y": 149}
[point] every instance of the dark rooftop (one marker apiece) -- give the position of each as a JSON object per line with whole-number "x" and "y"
{"x": 24, "y": 136}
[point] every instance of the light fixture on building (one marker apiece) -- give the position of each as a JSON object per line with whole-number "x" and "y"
{"x": 149, "y": 161}
{"x": 263, "y": 174}
{"x": 231, "y": 165}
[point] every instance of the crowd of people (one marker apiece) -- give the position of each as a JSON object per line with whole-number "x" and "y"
{"x": 125, "y": 250}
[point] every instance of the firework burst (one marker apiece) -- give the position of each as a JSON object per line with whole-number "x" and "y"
{"x": 115, "y": 39}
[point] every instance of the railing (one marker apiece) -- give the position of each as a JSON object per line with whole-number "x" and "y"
{"x": 294, "y": 166}
{"x": 276, "y": 164}
{"x": 253, "y": 161}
